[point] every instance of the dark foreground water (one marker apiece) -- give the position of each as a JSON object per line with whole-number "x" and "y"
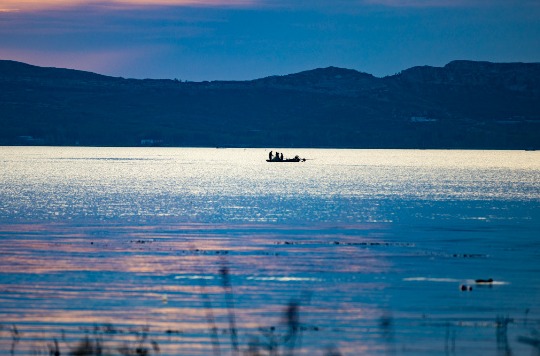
{"x": 216, "y": 252}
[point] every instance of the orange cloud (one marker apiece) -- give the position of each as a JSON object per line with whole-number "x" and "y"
{"x": 32, "y": 5}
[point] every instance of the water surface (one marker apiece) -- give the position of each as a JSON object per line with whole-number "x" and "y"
{"x": 125, "y": 246}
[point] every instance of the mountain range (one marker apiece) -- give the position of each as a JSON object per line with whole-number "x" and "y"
{"x": 463, "y": 105}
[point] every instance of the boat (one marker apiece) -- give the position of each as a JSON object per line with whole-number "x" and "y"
{"x": 287, "y": 160}
{"x": 295, "y": 159}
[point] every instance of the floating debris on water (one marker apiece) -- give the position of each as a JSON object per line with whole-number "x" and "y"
{"x": 484, "y": 281}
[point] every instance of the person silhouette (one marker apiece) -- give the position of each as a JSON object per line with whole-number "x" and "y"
{"x": 270, "y": 156}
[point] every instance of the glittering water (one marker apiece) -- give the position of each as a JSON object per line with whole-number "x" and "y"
{"x": 125, "y": 246}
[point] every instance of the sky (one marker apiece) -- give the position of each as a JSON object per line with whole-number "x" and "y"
{"x": 200, "y": 40}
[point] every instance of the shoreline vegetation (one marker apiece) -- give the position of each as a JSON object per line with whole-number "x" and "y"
{"x": 281, "y": 339}
{"x": 284, "y": 338}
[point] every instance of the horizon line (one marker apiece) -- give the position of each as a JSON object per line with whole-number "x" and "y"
{"x": 253, "y": 79}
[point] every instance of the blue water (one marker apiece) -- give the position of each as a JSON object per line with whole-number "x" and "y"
{"x": 373, "y": 245}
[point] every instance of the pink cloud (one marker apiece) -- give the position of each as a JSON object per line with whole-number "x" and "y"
{"x": 36, "y": 5}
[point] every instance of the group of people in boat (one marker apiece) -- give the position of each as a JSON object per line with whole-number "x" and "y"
{"x": 277, "y": 157}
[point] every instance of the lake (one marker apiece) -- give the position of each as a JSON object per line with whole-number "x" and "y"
{"x": 205, "y": 251}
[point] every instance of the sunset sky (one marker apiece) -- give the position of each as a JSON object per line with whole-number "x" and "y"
{"x": 248, "y": 39}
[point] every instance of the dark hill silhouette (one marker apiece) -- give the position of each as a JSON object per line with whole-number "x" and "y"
{"x": 325, "y": 80}
{"x": 464, "y": 104}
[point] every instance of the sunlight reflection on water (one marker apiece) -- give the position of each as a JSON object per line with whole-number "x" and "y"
{"x": 211, "y": 185}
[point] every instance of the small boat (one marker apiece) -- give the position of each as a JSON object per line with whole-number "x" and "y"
{"x": 295, "y": 159}
{"x": 287, "y": 160}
